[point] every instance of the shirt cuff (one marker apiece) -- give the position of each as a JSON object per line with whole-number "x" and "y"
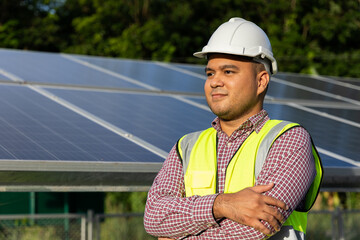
{"x": 203, "y": 210}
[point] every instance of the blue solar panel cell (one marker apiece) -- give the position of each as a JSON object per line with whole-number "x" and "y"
{"x": 328, "y": 134}
{"x": 53, "y": 68}
{"x": 280, "y": 90}
{"x": 332, "y": 162}
{"x": 355, "y": 82}
{"x": 35, "y": 128}
{"x": 200, "y": 100}
{"x": 157, "y": 119}
{"x": 346, "y": 114}
{"x": 150, "y": 73}
{"x": 323, "y": 84}
{"x": 199, "y": 69}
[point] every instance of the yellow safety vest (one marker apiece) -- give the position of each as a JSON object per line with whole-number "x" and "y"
{"x": 197, "y": 152}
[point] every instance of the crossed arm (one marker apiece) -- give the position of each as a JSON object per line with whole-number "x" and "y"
{"x": 248, "y": 213}
{"x": 249, "y": 207}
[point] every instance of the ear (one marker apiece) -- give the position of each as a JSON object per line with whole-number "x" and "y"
{"x": 263, "y": 79}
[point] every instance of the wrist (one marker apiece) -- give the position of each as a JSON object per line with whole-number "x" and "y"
{"x": 217, "y": 206}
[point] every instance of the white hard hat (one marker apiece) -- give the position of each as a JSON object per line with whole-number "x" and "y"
{"x": 244, "y": 38}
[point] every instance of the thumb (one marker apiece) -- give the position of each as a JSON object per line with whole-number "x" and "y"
{"x": 263, "y": 188}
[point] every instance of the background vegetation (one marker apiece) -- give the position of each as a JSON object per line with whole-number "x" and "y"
{"x": 307, "y": 36}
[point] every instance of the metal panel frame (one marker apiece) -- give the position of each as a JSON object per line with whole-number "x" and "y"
{"x": 67, "y": 176}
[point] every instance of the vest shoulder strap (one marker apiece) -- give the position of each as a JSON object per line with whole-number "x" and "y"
{"x": 187, "y": 143}
{"x": 267, "y": 143}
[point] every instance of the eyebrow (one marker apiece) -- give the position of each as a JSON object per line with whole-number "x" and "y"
{"x": 223, "y": 67}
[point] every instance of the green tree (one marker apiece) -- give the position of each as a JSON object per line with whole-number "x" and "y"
{"x": 29, "y": 24}
{"x": 307, "y": 36}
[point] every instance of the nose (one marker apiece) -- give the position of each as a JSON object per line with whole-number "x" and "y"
{"x": 216, "y": 81}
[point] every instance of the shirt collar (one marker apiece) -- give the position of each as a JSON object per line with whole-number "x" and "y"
{"x": 255, "y": 122}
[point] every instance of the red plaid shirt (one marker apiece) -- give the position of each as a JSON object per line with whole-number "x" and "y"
{"x": 289, "y": 164}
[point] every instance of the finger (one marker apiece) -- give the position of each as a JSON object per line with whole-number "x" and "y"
{"x": 275, "y": 202}
{"x": 262, "y": 188}
{"x": 271, "y": 219}
{"x": 275, "y": 213}
{"x": 257, "y": 225}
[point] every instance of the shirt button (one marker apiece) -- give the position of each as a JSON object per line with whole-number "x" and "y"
{"x": 229, "y": 144}
{"x": 223, "y": 170}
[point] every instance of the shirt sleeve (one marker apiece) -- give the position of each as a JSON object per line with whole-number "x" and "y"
{"x": 168, "y": 213}
{"x": 290, "y": 165}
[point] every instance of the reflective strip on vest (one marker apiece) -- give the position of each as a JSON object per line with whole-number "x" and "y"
{"x": 200, "y": 175}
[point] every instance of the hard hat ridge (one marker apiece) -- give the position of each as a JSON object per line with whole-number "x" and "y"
{"x": 241, "y": 37}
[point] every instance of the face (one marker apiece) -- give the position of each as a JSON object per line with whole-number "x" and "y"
{"x": 232, "y": 87}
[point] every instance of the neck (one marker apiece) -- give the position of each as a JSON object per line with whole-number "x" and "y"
{"x": 229, "y": 126}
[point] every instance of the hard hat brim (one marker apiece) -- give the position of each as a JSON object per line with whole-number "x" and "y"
{"x": 203, "y": 54}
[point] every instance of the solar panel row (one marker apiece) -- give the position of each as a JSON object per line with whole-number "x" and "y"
{"x": 80, "y": 123}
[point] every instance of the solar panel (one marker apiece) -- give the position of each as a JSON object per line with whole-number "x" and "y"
{"x": 334, "y": 88}
{"x": 157, "y": 119}
{"x": 81, "y": 123}
{"x": 56, "y": 69}
{"x": 48, "y": 131}
{"x": 40, "y": 137}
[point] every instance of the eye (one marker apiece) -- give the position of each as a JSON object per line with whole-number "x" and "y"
{"x": 228, "y": 72}
{"x": 209, "y": 74}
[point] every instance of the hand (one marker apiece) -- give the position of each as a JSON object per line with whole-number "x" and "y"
{"x": 249, "y": 206}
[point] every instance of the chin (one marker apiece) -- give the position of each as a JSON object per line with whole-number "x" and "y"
{"x": 223, "y": 116}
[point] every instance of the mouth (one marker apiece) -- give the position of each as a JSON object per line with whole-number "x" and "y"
{"x": 218, "y": 95}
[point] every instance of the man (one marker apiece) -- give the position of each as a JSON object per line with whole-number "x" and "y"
{"x": 244, "y": 177}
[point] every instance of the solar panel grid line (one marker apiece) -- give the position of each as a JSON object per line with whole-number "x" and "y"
{"x": 11, "y": 76}
{"x": 272, "y": 79}
{"x": 333, "y": 81}
{"x": 169, "y": 93}
{"x": 121, "y": 132}
{"x": 323, "y": 151}
{"x": 312, "y": 103}
{"x": 117, "y": 75}
{"x": 323, "y": 114}
{"x": 131, "y": 79}
{"x": 320, "y": 92}
{"x": 91, "y": 117}
{"x": 337, "y": 156}
{"x": 135, "y": 81}
{"x": 156, "y": 119}
{"x": 203, "y": 77}
{"x": 297, "y": 105}
{"x": 7, "y": 151}
{"x": 349, "y": 79}
{"x": 52, "y": 132}
{"x": 190, "y": 102}
{"x": 28, "y": 138}
{"x": 329, "y": 153}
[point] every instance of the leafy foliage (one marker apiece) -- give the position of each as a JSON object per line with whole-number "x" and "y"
{"x": 307, "y": 36}
{"x": 123, "y": 202}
